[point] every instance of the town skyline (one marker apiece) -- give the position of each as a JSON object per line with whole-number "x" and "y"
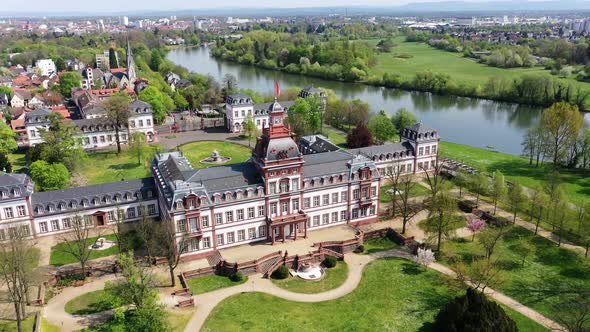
{"x": 115, "y": 7}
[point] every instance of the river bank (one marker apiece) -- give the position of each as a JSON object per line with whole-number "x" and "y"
{"x": 413, "y": 66}
{"x": 476, "y": 122}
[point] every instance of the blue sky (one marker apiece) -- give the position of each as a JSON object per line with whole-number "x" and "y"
{"x": 143, "y": 5}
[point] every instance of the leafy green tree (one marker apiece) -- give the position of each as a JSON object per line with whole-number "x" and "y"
{"x": 179, "y": 100}
{"x": 62, "y": 144}
{"x": 479, "y": 184}
{"x": 298, "y": 117}
{"x": 230, "y": 85}
{"x": 5, "y": 165}
{"x": 138, "y": 146}
{"x": 403, "y": 119}
{"x": 381, "y": 128}
{"x": 249, "y": 128}
{"x": 68, "y": 81}
{"x": 6, "y": 90}
{"x": 117, "y": 107}
{"x": 498, "y": 188}
{"x": 516, "y": 198}
{"x": 523, "y": 248}
{"x": 113, "y": 63}
{"x": 473, "y": 313}
{"x": 441, "y": 223}
{"x": 539, "y": 203}
{"x": 49, "y": 176}
{"x": 156, "y": 60}
{"x": 60, "y": 64}
{"x": 489, "y": 239}
{"x": 7, "y": 139}
{"x": 561, "y": 123}
{"x": 161, "y": 102}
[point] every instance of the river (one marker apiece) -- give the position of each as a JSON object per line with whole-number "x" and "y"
{"x": 476, "y": 122}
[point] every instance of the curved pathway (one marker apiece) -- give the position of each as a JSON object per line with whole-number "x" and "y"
{"x": 55, "y": 312}
{"x": 205, "y": 303}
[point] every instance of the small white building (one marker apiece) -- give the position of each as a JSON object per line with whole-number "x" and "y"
{"x": 238, "y": 107}
{"x": 47, "y": 67}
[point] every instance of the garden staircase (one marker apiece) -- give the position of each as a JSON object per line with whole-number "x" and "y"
{"x": 269, "y": 264}
{"x": 214, "y": 258}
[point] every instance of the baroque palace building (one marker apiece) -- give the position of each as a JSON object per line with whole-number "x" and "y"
{"x": 283, "y": 192}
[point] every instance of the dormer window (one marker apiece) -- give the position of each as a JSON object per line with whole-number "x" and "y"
{"x": 179, "y": 205}
{"x": 16, "y": 192}
{"x": 84, "y": 203}
{"x": 4, "y": 194}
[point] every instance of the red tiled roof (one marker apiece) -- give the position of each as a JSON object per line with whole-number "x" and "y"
{"x": 20, "y": 122}
{"x": 118, "y": 70}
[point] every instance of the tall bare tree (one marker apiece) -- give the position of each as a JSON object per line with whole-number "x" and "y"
{"x": 146, "y": 233}
{"x": 407, "y": 208}
{"x": 171, "y": 246}
{"x": 76, "y": 241}
{"x": 117, "y": 107}
{"x": 18, "y": 260}
{"x": 393, "y": 175}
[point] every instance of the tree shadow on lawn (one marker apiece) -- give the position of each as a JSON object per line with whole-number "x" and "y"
{"x": 412, "y": 269}
{"x": 124, "y": 166}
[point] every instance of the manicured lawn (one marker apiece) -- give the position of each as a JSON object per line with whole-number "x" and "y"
{"x": 179, "y": 318}
{"x": 197, "y": 151}
{"x": 18, "y": 161}
{"x": 335, "y": 136}
{"x": 548, "y": 268}
{"x": 418, "y": 190}
{"x": 108, "y": 166}
{"x": 379, "y": 244}
{"x": 333, "y": 279}
{"x": 457, "y": 222}
{"x": 461, "y": 69}
{"x": 211, "y": 282}
{"x": 393, "y": 295}
{"x": 92, "y": 302}
{"x": 48, "y": 327}
{"x": 10, "y": 326}
{"x": 576, "y": 183}
{"x": 59, "y": 257}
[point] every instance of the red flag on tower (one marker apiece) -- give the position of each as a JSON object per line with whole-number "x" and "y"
{"x": 277, "y": 89}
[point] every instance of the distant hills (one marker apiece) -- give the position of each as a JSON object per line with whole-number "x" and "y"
{"x": 421, "y": 8}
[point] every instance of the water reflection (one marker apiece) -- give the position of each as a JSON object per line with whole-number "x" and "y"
{"x": 463, "y": 120}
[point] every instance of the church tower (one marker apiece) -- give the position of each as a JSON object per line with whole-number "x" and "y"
{"x": 131, "y": 73}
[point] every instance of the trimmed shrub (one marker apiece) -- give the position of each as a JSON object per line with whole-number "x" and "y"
{"x": 499, "y": 221}
{"x": 281, "y": 273}
{"x": 330, "y": 261}
{"x": 359, "y": 249}
{"x": 236, "y": 277}
{"x": 466, "y": 206}
{"x": 473, "y": 312}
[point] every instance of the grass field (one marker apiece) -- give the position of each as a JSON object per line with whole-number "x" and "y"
{"x": 197, "y": 151}
{"x": 334, "y": 277}
{"x": 59, "y": 257}
{"x": 211, "y": 282}
{"x": 461, "y": 69}
{"x": 92, "y": 302}
{"x": 48, "y": 327}
{"x": 378, "y": 244}
{"x": 548, "y": 268}
{"x": 10, "y": 326}
{"x": 418, "y": 190}
{"x": 576, "y": 183}
{"x": 108, "y": 166}
{"x": 393, "y": 295}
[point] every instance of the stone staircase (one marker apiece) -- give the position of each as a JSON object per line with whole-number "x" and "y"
{"x": 264, "y": 267}
{"x": 214, "y": 258}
